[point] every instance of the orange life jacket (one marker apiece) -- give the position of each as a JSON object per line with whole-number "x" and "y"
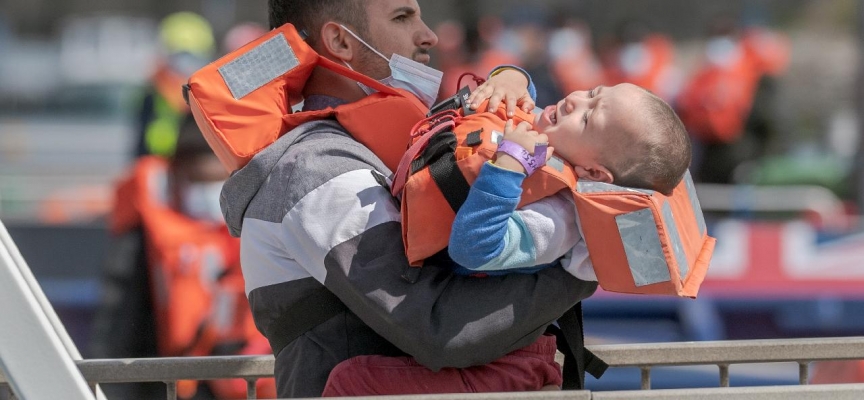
{"x": 639, "y": 241}
{"x": 717, "y": 101}
{"x": 199, "y": 298}
{"x": 241, "y": 101}
{"x": 715, "y": 104}
{"x": 656, "y": 76}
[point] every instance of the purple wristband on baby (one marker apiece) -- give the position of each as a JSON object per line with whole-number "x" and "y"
{"x": 530, "y": 162}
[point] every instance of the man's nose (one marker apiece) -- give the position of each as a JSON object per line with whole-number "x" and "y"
{"x": 426, "y": 38}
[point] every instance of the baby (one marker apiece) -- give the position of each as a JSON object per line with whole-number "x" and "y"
{"x": 622, "y": 135}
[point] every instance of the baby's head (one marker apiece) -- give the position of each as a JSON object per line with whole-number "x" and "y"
{"x": 621, "y": 134}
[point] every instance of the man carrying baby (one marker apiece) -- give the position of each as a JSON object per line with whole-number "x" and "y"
{"x": 621, "y": 135}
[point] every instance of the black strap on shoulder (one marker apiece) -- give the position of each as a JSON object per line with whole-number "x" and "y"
{"x": 448, "y": 177}
{"x": 577, "y": 359}
{"x": 294, "y": 324}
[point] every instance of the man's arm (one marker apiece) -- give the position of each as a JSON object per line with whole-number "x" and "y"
{"x": 346, "y": 233}
{"x": 490, "y": 234}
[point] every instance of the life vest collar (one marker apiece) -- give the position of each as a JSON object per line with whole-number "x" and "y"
{"x": 241, "y": 102}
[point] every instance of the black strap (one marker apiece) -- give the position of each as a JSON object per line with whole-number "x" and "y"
{"x": 577, "y": 359}
{"x": 442, "y": 143}
{"x": 450, "y": 180}
{"x": 456, "y": 102}
{"x": 294, "y": 324}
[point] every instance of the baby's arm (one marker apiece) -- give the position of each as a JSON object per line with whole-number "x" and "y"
{"x": 490, "y": 234}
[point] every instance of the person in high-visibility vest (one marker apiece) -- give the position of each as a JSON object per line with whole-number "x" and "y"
{"x": 188, "y": 43}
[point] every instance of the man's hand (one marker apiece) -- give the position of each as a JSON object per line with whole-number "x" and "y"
{"x": 509, "y": 85}
{"x": 525, "y": 136}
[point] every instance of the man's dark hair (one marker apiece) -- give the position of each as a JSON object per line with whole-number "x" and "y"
{"x": 658, "y": 157}
{"x": 311, "y": 15}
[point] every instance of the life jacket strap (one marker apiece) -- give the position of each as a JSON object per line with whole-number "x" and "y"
{"x": 446, "y": 174}
{"x": 458, "y": 101}
{"x": 577, "y": 359}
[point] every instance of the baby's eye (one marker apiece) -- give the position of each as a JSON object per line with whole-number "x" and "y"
{"x": 591, "y": 93}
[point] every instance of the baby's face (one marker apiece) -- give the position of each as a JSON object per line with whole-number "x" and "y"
{"x": 581, "y": 124}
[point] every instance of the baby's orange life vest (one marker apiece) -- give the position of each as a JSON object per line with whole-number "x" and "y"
{"x": 241, "y": 102}
{"x": 199, "y": 299}
{"x": 639, "y": 241}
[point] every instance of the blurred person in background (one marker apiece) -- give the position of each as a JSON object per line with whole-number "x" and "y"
{"x": 727, "y": 104}
{"x": 643, "y": 57}
{"x": 574, "y": 64}
{"x": 477, "y": 50}
{"x": 172, "y": 281}
{"x": 453, "y": 55}
{"x": 188, "y": 43}
{"x": 526, "y": 39}
{"x": 523, "y": 42}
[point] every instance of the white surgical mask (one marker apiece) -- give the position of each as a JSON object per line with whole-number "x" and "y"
{"x": 421, "y": 80}
{"x": 201, "y": 201}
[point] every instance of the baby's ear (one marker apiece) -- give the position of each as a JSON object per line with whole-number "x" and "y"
{"x": 596, "y": 173}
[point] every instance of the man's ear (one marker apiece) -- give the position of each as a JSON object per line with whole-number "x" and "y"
{"x": 596, "y": 173}
{"x": 335, "y": 43}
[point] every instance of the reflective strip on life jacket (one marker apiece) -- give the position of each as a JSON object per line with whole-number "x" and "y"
{"x": 662, "y": 240}
{"x": 259, "y": 66}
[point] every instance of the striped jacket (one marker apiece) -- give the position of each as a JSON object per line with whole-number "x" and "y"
{"x": 323, "y": 259}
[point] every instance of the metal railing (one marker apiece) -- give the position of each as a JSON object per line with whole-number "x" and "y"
{"x": 644, "y": 356}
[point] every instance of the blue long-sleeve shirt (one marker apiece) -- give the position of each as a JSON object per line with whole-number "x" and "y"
{"x": 492, "y": 236}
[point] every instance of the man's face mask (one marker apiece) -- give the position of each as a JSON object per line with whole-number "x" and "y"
{"x": 201, "y": 201}
{"x": 421, "y": 80}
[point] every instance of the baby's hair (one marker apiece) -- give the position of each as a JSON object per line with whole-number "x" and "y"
{"x": 657, "y": 157}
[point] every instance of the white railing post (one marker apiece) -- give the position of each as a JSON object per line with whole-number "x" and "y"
{"x": 33, "y": 356}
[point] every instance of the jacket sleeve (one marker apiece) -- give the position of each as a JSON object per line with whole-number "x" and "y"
{"x": 347, "y": 234}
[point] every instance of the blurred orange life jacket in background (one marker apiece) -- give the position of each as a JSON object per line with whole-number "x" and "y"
{"x": 639, "y": 241}
{"x": 199, "y": 299}
{"x": 716, "y": 103}
{"x": 242, "y": 102}
{"x": 653, "y": 69}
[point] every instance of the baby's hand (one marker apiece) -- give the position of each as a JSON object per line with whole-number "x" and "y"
{"x": 524, "y": 135}
{"x": 509, "y": 85}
